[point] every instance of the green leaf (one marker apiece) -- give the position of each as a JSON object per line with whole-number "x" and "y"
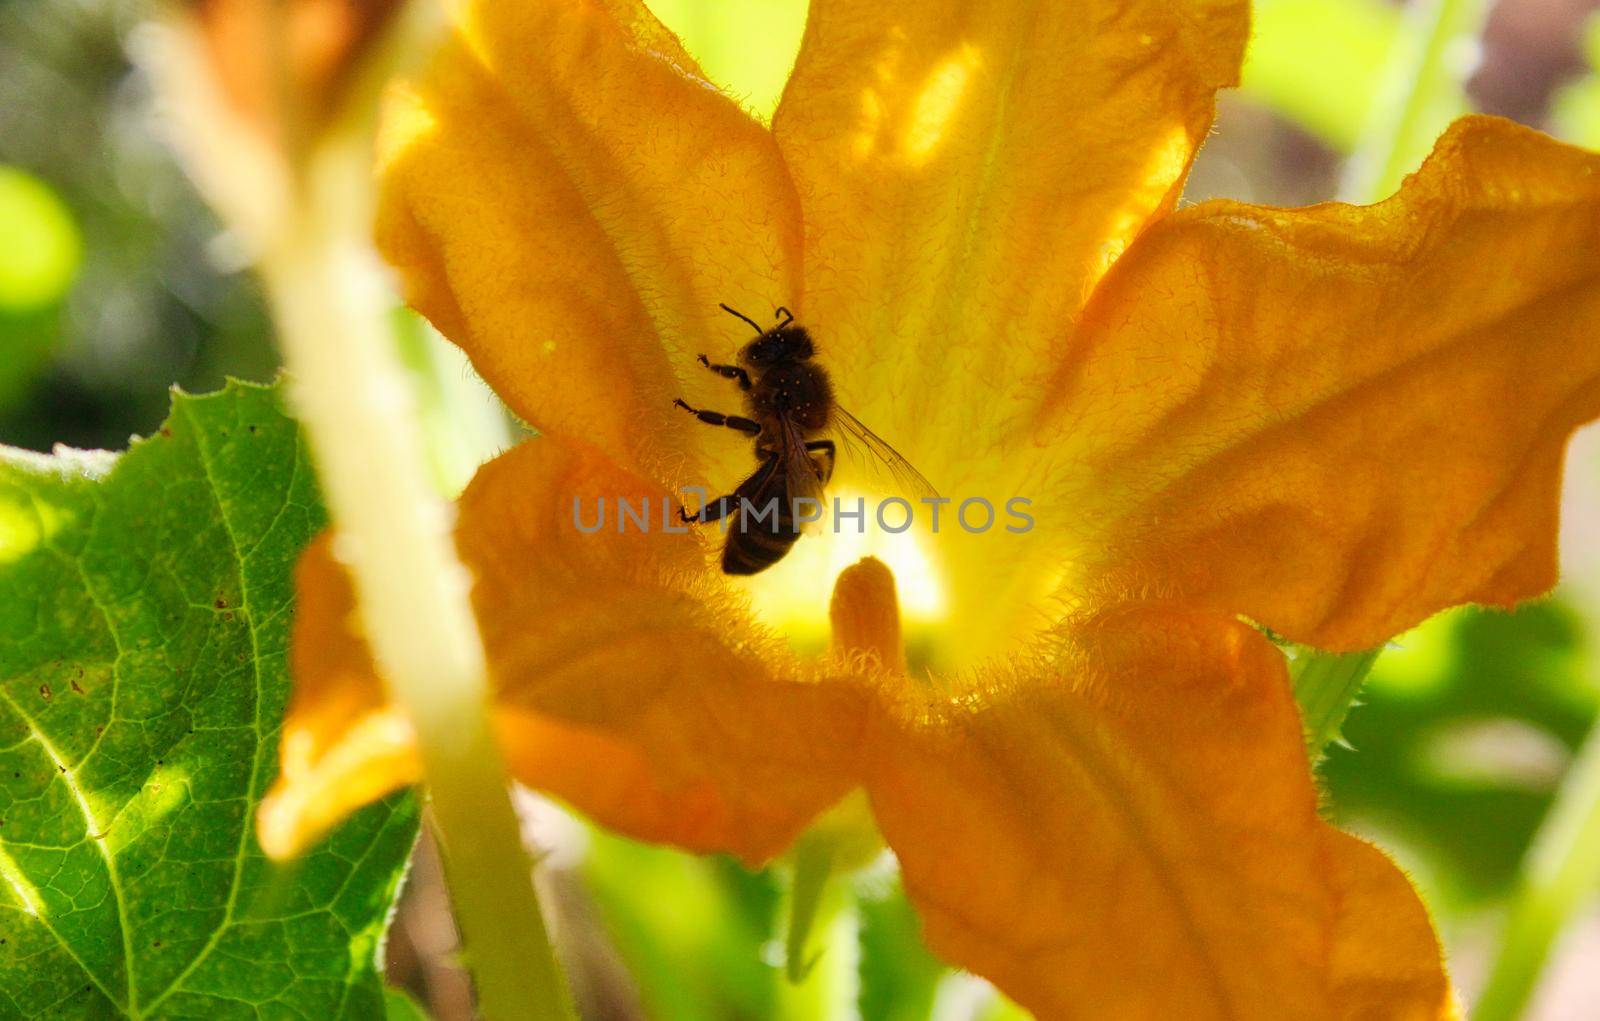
{"x": 145, "y": 603}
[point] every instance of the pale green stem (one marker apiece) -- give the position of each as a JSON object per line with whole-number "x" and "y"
{"x": 1325, "y": 686}
{"x": 308, "y": 220}
{"x": 813, "y": 867}
{"x": 821, "y": 980}
{"x": 1559, "y": 878}
{"x": 394, "y": 535}
{"x": 1422, "y": 92}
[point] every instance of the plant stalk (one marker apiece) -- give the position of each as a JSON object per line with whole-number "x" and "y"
{"x": 394, "y": 535}
{"x": 821, "y": 981}
{"x": 1559, "y": 877}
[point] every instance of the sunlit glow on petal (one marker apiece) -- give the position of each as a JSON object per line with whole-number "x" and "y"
{"x": 371, "y": 758}
{"x": 872, "y": 117}
{"x": 966, "y": 174}
{"x": 1165, "y": 158}
{"x": 938, "y": 104}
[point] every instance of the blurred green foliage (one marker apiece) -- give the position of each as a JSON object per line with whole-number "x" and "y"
{"x": 899, "y": 977}
{"x": 157, "y": 298}
{"x": 40, "y": 251}
{"x": 1575, "y": 112}
{"x": 701, "y": 938}
{"x": 1467, "y": 727}
{"x": 691, "y": 930}
{"x": 1320, "y": 63}
{"x": 1422, "y": 89}
{"x": 747, "y": 47}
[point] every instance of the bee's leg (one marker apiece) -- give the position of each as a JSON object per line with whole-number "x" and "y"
{"x": 728, "y": 372}
{"x": 722, "y": 506}
{"x": 749, "y": 426}
{"x": 714, "y": 510}
{"x": 827, "y": 451}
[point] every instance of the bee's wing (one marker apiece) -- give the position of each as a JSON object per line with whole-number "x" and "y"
{"x": 805, "y": 478}
{"x": 759, "y": 491}
{"x": 907, "y": 479}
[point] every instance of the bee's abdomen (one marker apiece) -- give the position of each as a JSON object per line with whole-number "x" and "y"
{"x": 753, "y": 546}
{"x": 754, "y": 552}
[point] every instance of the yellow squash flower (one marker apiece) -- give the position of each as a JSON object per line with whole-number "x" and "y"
{"x": 1330, "y": 422}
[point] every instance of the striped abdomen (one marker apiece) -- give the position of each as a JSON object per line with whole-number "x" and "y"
{"x": 759, "y": 540}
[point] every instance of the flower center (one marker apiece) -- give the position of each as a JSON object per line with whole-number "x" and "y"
{"x": 963, "y": 593}
{"x": 792, "y": 595}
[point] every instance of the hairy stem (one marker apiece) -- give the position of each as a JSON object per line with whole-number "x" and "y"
{"x": 1325, "y": 686}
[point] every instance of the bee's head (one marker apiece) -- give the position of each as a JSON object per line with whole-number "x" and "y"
{"x": 784, "y": 344}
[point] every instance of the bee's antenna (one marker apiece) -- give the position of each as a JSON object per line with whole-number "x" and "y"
{"x": 785, "y": 315}
{"x": 735, "y": 312}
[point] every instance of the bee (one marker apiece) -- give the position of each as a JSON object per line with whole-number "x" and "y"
{"x": 790, "y": 404}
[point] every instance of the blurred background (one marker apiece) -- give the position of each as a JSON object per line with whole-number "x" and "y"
{"x": 116, "y": 282}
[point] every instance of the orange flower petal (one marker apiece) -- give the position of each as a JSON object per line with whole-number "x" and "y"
{"x": 284, "y": 67}
{"x": 683, "y": 725}
{"x": 342, "y": 746}
{"x": 1139, "y": 837}
{"x": 1385, "y": 956}
{"x": 628, "y": 681}
{"x": 1338, "y": 420}
{"x": 968, "y": 172}
{"x": 568, "y": 199}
